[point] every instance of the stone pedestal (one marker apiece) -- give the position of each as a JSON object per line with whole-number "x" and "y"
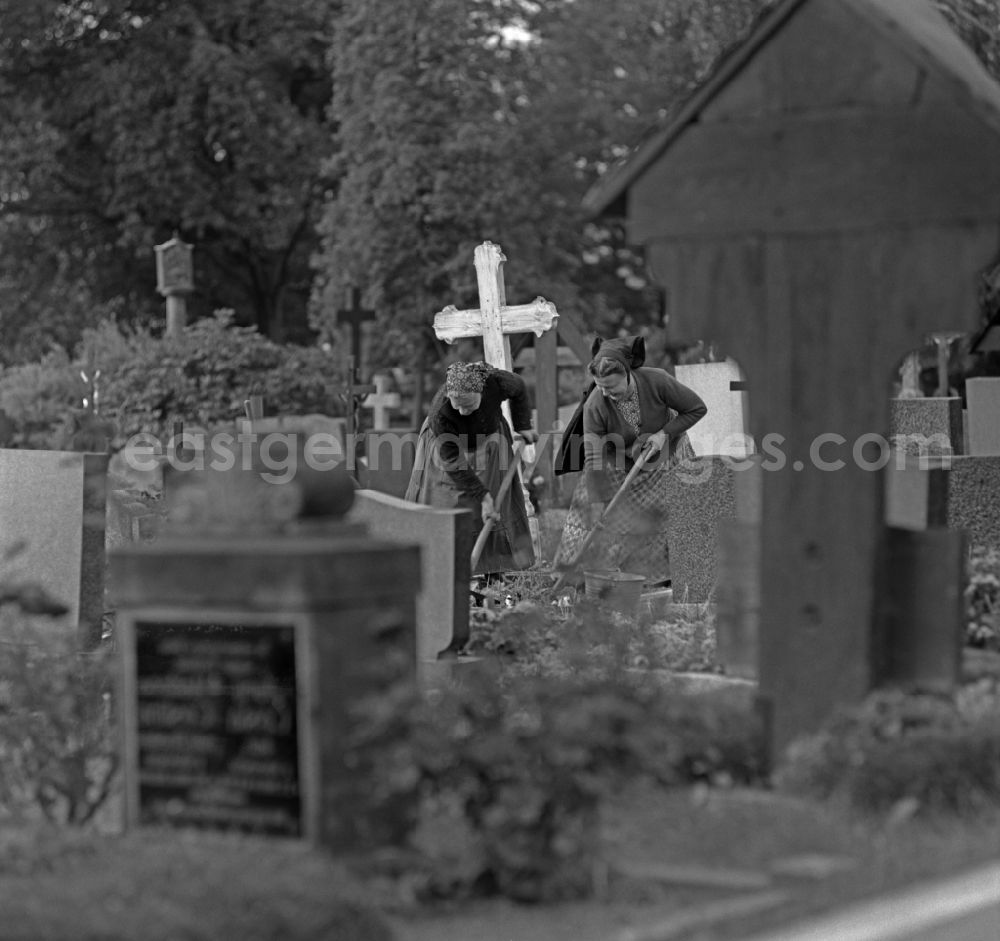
{"x": 927, "y": 427}
{"x": 243, "y": 662}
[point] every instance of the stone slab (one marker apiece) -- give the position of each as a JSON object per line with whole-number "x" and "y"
{"x": 700, "y": 494}
{"x": 723, "y": 431}
{"x": 445, "y": 540}
{"x": 930, "y": 426}
{"x": 54, "y": 503}
{"x": 963, "y": 493}
{"x": 388, "y": 463}
{"x": 983, "y": 396}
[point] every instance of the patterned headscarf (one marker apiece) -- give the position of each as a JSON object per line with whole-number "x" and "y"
{"x": 466, "y": 377}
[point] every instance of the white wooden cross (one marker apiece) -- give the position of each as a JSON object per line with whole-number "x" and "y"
{"x": 381, "y": 401}
{"x": 494, "y": 321}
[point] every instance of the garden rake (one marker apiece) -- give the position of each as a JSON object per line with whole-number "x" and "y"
{"x": 477, "y": 549}
{"x": 572, "y": 566}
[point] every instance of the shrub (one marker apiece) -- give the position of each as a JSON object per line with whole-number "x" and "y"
{"x": 203, "y": 376}
{"x": 57, "y": 750}
{"x": 936, "y": 752}
{"x": 147, "y": 382}
{"x": 982, "y": 599}
{"x": 509, "y": 778}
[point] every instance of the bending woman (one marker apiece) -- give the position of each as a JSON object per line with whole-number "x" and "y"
{"x": 630, "y": 406}
{"x": 463, "y": 450}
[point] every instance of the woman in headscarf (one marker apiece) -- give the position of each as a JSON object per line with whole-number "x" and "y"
{"x": 631, "y": 406}
{"x": 465, "y": 447}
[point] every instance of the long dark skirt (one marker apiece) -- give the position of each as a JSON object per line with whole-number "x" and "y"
{"x": 634, "y": 537}
{"x": 508, "y": 545}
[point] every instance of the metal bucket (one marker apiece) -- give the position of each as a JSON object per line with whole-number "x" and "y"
{"x": 619, "y": 591}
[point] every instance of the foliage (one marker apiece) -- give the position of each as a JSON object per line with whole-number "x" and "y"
{"x": 203, "y": 376}
{"x": 38, "y": 400}
{"x": 58, "y": 752}
{"x": 163, "y": 886}
{"x": 982, "y": 599}
{"x": 449, "y": 132}
{"x": 529, "y": 632}
{"x": 510, "y": 777}
{"x": 923, "y": 752}
{"x": 510, "y": 769}
{"x": 147, "y": 382}
{"x": 130, "y": 120}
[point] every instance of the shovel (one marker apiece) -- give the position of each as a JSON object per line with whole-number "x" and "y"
{"x": 599, "y": 525}
{"x": 477, "y": 549}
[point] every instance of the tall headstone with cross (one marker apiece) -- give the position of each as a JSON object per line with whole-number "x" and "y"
{"x": 382, "y": 401}
{"x": 494, "y": 320}
{"x": 354, "y": 316}
{"x": 352, "y": 393}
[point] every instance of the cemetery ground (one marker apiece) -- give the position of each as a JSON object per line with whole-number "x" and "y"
{"x": 571, "y": 791}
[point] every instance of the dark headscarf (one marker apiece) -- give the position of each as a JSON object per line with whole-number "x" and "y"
{"x": 630, "y": 351}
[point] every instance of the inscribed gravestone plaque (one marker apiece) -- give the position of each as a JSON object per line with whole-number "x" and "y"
{"x": 216, "y": 726}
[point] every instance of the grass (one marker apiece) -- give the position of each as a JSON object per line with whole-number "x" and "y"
{"x": 66, "y": 885}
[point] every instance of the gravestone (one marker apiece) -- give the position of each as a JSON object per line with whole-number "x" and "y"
{"x": 961, "y": 494}
{"x": 723, "y": 431}
{"x": 929, "y": 426}
{"x": 382, "y": 401}
{"x": 250, "y": 632}
{"x": 388, "y": 462}
{"x": 983, "y": 397}
{"x": 701, "y": 496}
{"x": 788, "y": 197}
{"x": 54, "y": 503}
{"x": 494, "y": 321}
{"x": 445, "y": 540}
{"x": 354, "y": 316}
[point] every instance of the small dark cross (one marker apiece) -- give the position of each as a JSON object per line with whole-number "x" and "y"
{"x": 352, "y": 395}
{"x": 355, "y": 315}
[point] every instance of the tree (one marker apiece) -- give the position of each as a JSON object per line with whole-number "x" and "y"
{"x": 130, "y": 119}
{"x": 450, "y": 134}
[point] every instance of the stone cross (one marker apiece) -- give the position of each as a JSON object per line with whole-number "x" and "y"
{"x": 354, "y": 315}
{"x": 381, "y": 401}
{"x": 494, "y": 321}
{"x": 352, "y": 392}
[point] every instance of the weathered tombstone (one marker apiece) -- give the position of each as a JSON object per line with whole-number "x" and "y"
{"x": 961, "y": 494}
{"x": 382, "y": 401}
{"x": 54, "y": 504}
{"x": 249, "y": 633}
{"x": 850, "y": 212}
{"x": 355, "y": 317}
{"x": 494, "y": 321}
{"x": 723, "y": 431}
{"x": 388, "y": 462}
{"x": 445, "y": 540}
{"x": 983, "y": 396}
{"x": 926, "y": 426}
{"x": 701, "y": 498}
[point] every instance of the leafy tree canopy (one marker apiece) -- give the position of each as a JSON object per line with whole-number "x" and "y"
{"x": 126, "y": 120}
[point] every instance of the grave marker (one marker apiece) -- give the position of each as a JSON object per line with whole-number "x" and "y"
{"x": 246, "y": 646}
{"x": 983, "y": 396}
{"x": 55, "y": 504}
{"x": 382, "y": 402}
{"x": 494, "y": 322}
{"x": 355, "y": 316}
